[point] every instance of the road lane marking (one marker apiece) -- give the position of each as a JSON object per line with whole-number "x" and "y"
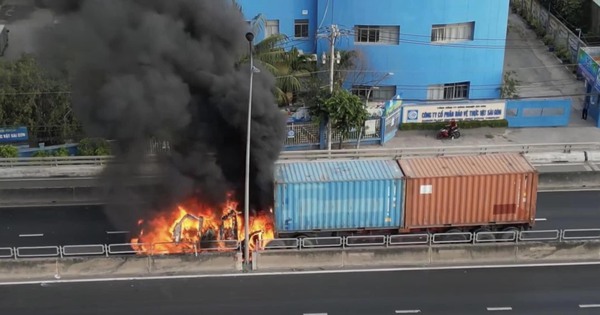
{"x": 408, "y": 311}
{"x": 31, "y": 235}
{"x": 541, "y": 219}
{"x": 301, "y": 273}
{"x": 589, "y": 305}
{"x": 501, "y": 308}
{"x": 315, "y": 313}
{"x": 117, "y": 232}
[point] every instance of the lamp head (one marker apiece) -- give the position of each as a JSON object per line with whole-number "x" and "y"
{"x": 250, "y": 36}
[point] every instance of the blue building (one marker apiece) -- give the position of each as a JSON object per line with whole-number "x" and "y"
{"x": 419, "y": 49}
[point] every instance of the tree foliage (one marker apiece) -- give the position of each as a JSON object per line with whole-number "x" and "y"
{"x": 8, "y": 151}
{"x": 29, "y": 97}
{"x": 346, "y": 112}
{"x": 509, "y": 86}
{"x": 573, "y": 11}
{"x": 93, "y": 147}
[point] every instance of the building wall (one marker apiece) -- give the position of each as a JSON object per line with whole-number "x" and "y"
{"x": 415, "y": 62}
{"x": 286, "y": 11}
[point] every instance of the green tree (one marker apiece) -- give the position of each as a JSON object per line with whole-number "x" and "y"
{"x": 346, "y": 112}
{"x": 93, "y": 147}
{"x": 509, "y": 86}
{"x": 288, "y": 67}
{"x": 573, "y": 11}
{"x": 29, "y": 97}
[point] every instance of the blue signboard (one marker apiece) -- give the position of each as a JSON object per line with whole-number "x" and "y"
{"x": 459, "y": 111}
{"x": 13, "y": 134}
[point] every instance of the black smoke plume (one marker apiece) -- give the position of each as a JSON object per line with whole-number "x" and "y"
{"x": 168, "y": 69}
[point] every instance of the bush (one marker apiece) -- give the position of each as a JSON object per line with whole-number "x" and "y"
{"x": 41, "y": 153}
{"x": 467, "y": 124}
{"x": 93, "y": 147}
{"x": 548, "y": 40}
{"x": 61, "y": 152}
{"x": 8, "y": 151}
{"x": 562, "y": 53}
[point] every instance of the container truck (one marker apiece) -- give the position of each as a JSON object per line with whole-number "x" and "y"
{"x": 495, "y": 192}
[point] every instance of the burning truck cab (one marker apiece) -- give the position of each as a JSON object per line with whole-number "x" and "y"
{"x": 196, "y": 227}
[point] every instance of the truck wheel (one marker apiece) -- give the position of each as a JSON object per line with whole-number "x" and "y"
{"x": 483, "y": 237}
{"x": 461, "y": 238}
{"x": 514, "y": 229}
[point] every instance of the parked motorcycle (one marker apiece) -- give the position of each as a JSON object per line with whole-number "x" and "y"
{"x": 447, "y": 132}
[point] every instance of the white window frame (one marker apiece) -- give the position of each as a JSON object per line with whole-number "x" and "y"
{"x": 449, "y": 91}
{"x": 450, "y": 33}
{"x": 271, "y": 28}
{"x": 379, "y": 93}
{"x": 301, "y": 23}
{"x": 376, "y": 35}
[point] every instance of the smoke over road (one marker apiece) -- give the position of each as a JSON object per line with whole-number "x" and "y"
{"x": 167, "y": 69}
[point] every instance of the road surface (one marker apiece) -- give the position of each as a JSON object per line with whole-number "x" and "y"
{"x": 71, "y": 225}
{"x": 531, "y": 291}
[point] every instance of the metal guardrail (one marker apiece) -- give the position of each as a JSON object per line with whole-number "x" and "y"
{"x": 83, "y": 250}
{"x": 341, "y": 242}
{"x": 438, "y": 151}
{"x": 287, "y": 156}
{"x": 439, "y": 239}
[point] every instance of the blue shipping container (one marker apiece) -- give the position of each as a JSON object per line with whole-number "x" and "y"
{"x": 338, "y": 195}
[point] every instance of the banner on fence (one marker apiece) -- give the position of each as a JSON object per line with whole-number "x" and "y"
{"x": 13, "y": 134}
{"x": 587, "y": 64}
{"x": 459, "y": 111}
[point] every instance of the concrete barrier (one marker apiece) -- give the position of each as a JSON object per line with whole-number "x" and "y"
{"x": 407, "y": 256}
{"x": 295, "y": 259}
{"x": 475, "y": 253}
{"x": 87, "y": 267}
{"x": 51, "y": 195}
{"x": 572, "y": 250}
{"x": 545, "y": 158}
{"x": 593, "y": 156}
{"x": 569, "y": 180}
{"x": 439, "y": 255}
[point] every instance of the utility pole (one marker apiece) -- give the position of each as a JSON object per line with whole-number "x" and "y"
{"x": 335, "y": 32}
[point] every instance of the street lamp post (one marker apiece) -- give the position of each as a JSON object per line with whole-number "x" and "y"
{"x": 250, "y": 38}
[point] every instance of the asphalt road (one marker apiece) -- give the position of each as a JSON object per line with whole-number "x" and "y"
{"x": 71, "y": 225}
{"x": 530, "y": 291}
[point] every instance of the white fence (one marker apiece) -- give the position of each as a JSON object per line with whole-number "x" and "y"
{"x": 424, "y": 239}
{"x": 336, "y": 154}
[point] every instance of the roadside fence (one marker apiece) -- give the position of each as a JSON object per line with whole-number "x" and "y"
{"x": 287, "y": 156}
{"x": 342, "y": 242}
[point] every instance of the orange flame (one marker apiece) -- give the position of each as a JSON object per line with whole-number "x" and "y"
{"x": 197, "y": 227}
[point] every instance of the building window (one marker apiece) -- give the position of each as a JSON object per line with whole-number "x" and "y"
{"x": 377, "y": 93}
{"x": 387, "y": 35}
{"x": 301, "y": 28}
{"x": 452, "y": 32}
{"x": 449, "y": 91}
{"x": 271, "y": 28}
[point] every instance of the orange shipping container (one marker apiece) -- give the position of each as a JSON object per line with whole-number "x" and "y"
{"x": 481, "y": 190}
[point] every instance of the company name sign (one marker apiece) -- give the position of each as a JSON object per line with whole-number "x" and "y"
{"x": 457, "y": 111}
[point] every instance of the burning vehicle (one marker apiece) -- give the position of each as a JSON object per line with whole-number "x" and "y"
{"x": 195, "y": 227}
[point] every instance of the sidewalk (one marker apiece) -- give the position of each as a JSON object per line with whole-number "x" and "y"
{"x": 539, "y": 71}
{"x": 496, "y": 136}
{"x": 540, "y": 74}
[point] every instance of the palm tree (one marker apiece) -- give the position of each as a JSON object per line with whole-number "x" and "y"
{"x": 288, "y": 67}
